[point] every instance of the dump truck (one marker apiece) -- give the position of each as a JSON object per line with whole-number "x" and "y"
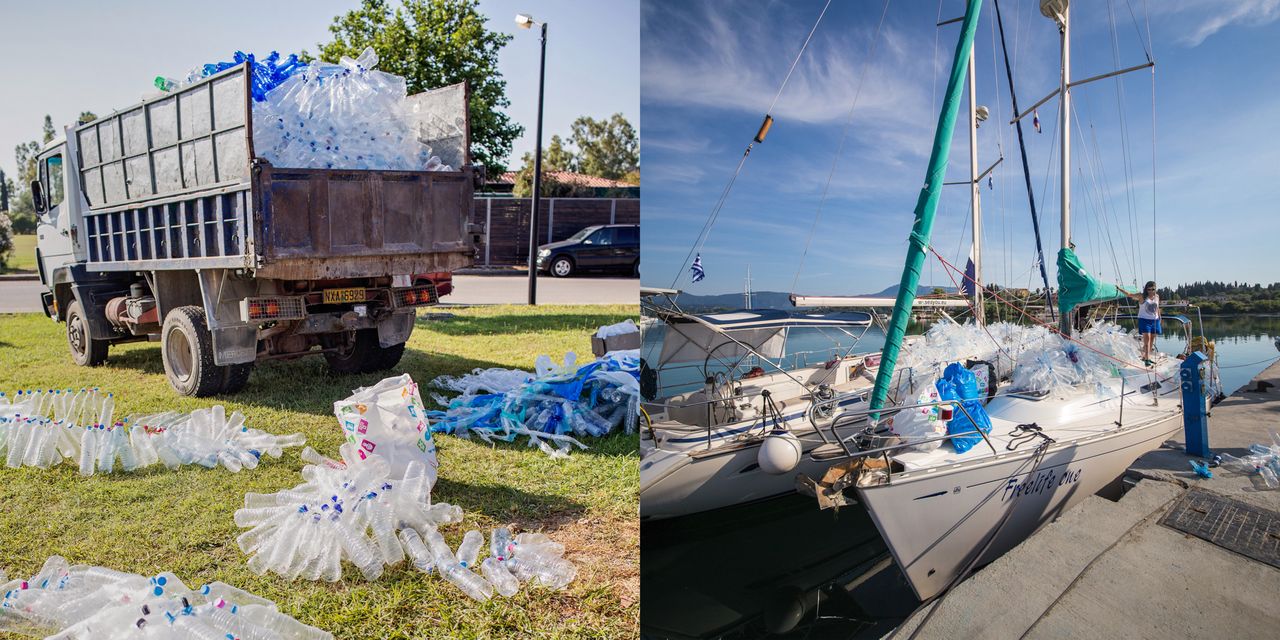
{"x": 158, "y": 222}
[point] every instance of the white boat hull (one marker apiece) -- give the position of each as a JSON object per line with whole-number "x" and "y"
{"x": 936, "y": 521}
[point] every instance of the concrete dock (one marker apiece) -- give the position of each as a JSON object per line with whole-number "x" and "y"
{"x": 1122, "y": 570}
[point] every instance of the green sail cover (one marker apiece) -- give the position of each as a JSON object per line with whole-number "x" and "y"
{"x": 926, "y": 208}
{"x": 1077, "y": 287}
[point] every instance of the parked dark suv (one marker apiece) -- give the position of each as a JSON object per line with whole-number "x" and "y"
{"x": 613, "y": 247}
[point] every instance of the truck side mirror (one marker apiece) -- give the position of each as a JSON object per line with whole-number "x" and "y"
{"x": 37, "y": 196}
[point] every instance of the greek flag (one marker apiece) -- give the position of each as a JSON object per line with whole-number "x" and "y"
{"x": 1035, "y": 120}
{"x": 695, "y": 270}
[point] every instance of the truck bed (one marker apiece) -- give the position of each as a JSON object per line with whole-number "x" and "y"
{"x": 172, "y": 183}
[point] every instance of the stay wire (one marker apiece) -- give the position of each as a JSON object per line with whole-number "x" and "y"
{"x": 844, "y": 135}
{"x": 724, "y": 195}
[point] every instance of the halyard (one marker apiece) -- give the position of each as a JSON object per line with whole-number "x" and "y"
{"x": 155, "y": 520}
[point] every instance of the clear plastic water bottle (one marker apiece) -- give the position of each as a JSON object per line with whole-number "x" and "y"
{"x": 469, "y": 550}
{"x": 496, "y": 573}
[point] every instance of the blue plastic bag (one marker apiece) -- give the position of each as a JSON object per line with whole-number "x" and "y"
{"x": 959, "y": 383}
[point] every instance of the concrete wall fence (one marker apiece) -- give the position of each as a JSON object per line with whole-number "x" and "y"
{"x": 506, "y": 223}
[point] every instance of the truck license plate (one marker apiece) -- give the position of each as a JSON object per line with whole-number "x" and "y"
{"x": 340, "y": 296}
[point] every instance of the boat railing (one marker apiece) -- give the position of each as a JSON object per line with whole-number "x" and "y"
{"x": 788, "y": 362}
{"x": 853, "y": 415}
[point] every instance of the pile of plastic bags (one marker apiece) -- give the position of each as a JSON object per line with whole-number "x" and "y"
{"x": 44, "y": 428}
{"x": 81, "y": 602}
{"x": 358, "y": 510}
{"x": 1262, "y": 462}
{"x": 554, "y": 405}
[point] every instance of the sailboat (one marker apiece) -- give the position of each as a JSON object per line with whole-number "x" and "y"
{"x": 1076, "y": 411}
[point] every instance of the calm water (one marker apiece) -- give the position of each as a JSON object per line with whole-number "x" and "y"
{"x": 784, "y": 569}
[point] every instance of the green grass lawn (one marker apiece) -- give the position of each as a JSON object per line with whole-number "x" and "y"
{"x": 155, "y": 519}
{"x": 23, "y": 256}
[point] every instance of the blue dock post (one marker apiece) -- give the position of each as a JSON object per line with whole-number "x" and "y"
{"x": 1195, "y": 416}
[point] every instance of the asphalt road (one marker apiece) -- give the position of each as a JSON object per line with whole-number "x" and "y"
{"x": 23, "y": 296}
{"x": 20, "y": 296}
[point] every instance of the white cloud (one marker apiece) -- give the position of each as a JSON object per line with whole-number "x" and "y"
{"x": 1205, "y": 18}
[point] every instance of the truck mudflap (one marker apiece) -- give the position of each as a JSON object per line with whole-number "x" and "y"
{"x": 235, "y": 345}
{"x": 395, "y": 329}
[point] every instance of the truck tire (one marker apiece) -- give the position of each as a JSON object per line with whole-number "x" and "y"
{"x": 186, "y": 346}
{"x": 236, "y": 376}
{"x": 562, "y": 266}
{"x": 384, "y": 358}
{"x": 353, "y": 357}
{"x": 85, "y": 351}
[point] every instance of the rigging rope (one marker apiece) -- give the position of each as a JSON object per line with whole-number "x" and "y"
{"x": 768, "y": 119}
{"x": 844, "y": 134}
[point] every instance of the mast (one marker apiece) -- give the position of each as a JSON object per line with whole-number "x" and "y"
{"x": 747, "y": 293}
{"x": 926, "y": 208}
{"x": 975, "y": 204}
{"x": 1060, "y": 10}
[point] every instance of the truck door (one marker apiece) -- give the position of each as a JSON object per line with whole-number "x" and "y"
{"x": 53, "y": 231}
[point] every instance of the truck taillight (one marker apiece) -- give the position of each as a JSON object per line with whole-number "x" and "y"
{"x": 416, "y": 296}
{"x": 259, "y": 309}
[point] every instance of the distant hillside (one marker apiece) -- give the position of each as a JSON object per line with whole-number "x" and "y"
{"x": 774, "y": 299}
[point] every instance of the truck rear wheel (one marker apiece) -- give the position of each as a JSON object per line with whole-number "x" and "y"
{"x": 187, "y": 349}
{"x": 383, "y": 358}
{"x": 86, "y": 351}
{"x": 236, "y": 376}
{"x": 352, "y": 353}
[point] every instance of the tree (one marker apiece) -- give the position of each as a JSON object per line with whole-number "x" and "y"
{"x": 86, "y": 116}
{"x": 606, "y": 148}
{"x": 432, "y": 43}
{"x": 6, "y": 239}
{"x": 6, "y": 187}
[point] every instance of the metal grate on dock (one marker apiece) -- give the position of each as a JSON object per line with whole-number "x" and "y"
{"x": 1250, "y": 531}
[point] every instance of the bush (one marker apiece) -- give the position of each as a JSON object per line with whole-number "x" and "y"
{"x": 6, "y": 239}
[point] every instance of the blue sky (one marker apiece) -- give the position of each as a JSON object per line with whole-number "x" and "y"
{"x": 710, "y": 69}
{"x": 62, "y": 58}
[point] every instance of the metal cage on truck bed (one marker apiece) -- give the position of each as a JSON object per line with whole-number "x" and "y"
{"x": 173, "y": 183}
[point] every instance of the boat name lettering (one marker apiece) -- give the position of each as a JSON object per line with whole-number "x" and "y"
{"x": 1043, "y": 481}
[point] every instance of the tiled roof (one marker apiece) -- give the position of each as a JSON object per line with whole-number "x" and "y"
{"x": 569, "y": 177}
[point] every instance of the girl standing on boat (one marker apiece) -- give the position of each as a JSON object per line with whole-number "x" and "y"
{"x": 1148, "y": 318}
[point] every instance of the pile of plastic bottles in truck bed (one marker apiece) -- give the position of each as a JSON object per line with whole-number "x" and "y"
{"x": 326, "y": 116}
{"x": 44, "y": 428}
{"x": 81, "y": 602}
{"x": 550, "y": 406}
{"x": 357, "y": 509}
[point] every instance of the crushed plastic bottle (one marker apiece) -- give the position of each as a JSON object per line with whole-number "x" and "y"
{"x": 357, "y": 510}
{"x": 80, "y": 602}
{"x": 555, "y": 405}
{"x": 44, "y": 428}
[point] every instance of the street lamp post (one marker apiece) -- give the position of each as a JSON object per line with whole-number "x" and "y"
{"x": 526, "y": 21}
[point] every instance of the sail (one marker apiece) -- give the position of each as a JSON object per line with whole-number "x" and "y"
{"x": 926, "y": 207}
{"x": 1077, "y": 287}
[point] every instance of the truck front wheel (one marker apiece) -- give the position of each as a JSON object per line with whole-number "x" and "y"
{"x": 187, "y": 349}
{"x": 86, "y": 351}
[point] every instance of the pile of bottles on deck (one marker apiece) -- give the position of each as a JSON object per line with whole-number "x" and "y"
{"x": 43, "y": 428}
{"x": 81, "y": 602}
{"x": 1032, "y": 357}
{"x": 357, "y": 509}
{"x": 319, "y": 115}
{"x": 554, "y": 405}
